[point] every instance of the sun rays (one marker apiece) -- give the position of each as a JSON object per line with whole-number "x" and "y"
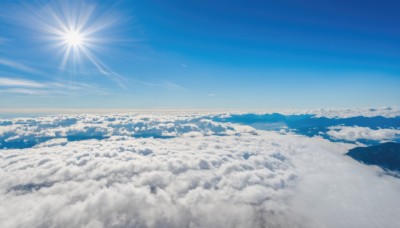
{"x": 77, "y": 31}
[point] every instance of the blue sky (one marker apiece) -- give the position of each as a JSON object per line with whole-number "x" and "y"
{"x": 200, "y": 54}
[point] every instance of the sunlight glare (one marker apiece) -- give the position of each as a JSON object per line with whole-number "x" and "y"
{"x": 73, "y": 38}
{"x": 79, "y": 30}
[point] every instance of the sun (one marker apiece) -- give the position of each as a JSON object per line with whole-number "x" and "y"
{"x": 79, "y": 30}
{"x": 73, "y": 38}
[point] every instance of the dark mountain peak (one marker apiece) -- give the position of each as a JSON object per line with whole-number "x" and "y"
{"x": 385, "y": 155}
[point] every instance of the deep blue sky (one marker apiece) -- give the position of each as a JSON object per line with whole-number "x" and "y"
{"x": 205, "y": 54}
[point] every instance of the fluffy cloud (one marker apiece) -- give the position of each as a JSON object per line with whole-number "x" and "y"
{"x": 28, "y": 132}
{"x": 206, "y": 174}
{"x": 357, "y": 133}
{"x": 122, "y": 181}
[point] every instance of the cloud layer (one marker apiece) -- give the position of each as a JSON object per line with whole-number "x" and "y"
{"x": 188, "y": 172}
{"x": 28, "y": 132}
{"x": 122, "y": 181}
{"x": 357, "y": 133}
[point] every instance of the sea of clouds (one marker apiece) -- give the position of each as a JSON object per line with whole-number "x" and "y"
{"x": 356, "y": 133}
{"x": 184, "y": 170}
{"x": 31, "y": 131}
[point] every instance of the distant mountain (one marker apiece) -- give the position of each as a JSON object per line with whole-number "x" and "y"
{"x": 385, "y": 155}
{"x": 311, "y": 125}
{"x": 312, "y": 121}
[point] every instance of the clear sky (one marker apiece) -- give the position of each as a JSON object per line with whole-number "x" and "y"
{"x": 199, "y": 54}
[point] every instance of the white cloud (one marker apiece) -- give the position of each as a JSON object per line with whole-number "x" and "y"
{"x": 178, "y": 182}
{"x": 208, "y": 175}
{"x": 53, "y": 142}
{"x": 337, "y": 191}
{"x": 83, "y": 126}
{"x": 356, "y": 133}
{"x": 16, "y": 82}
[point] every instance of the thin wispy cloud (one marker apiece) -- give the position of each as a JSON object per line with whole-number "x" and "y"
{"x": 19, "y": 66}
{"x": 15, "y": 82}
{"x": 25, "y": 86}
{"x": 24, "y": 91}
